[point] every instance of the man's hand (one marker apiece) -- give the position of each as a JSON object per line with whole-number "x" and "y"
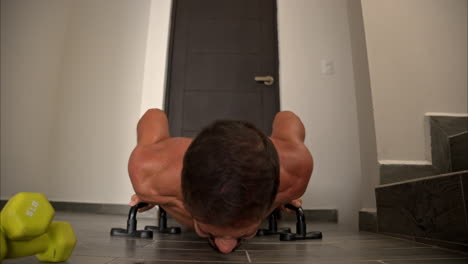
{"x": 296, "y": 203}
{"x": 136, "y": 200}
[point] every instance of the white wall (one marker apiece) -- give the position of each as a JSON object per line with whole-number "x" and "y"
{"x": 365, "y": 111}
{"x": 154, "y": 82}
{"x": 72, "y": 77}
{"x": 99, "y": 100}
{"x": 418, "y": 63}
{"x": 310, "y": 31}
{"x": 32, "y": 37}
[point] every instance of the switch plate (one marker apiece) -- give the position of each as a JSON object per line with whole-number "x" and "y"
{"x": 328, "y": 67}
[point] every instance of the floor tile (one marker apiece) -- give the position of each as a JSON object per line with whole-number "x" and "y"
{"x": 427, "y": 261}
{"x": 339, "y": 245}
{"x": 71, "y": 260}
{"x": 336, "y": 253}
{"x": 145, "y": 261}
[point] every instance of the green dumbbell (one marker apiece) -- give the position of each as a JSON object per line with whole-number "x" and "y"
{"x": 26, "y": 215}
{"x": 56, "y": 245}
{"x": 3, "y": 246}
{"x": 27, "y": 230}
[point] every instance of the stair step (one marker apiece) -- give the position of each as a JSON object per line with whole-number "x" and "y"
{"x": 430, "y": 209}
{"x": 459, "y": 151}
{"x": 391, "y": 173}
{"x": 449, "y": 151}
{"x": 442, "y": 129}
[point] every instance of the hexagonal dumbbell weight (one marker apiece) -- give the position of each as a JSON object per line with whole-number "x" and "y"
{"x": 26, "y": 215}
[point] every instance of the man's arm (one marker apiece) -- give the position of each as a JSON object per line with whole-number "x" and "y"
{"x": 288, "y": 127}
{"x": 297, "y": 163}
{"x": 152, "y": 127}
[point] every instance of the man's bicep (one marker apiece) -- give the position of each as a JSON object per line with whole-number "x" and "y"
{"x": 288, "y": 127}
{"x": 152, "y": 127}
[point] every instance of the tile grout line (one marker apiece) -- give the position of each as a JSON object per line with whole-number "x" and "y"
{"x": 174, "y": 260}
{"x": 402, "y": 248}
{"x": 450, "y": 174}
{"x": 248, "y": 256}
{"x": 461, "y": 133}
{"x": 110, "y": 261}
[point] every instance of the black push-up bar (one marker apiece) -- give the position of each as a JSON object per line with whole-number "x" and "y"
{"x": 285, "y": 233}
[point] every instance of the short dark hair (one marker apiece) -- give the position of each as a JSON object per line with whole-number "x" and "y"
{"x": 230, "y": 174}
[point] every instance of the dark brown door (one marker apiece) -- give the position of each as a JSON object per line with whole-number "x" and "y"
{"x": 217, "y": 48}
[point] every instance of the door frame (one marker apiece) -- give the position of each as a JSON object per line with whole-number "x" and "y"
{"x": 170, "y": 51}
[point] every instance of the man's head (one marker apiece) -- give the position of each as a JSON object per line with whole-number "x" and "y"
{"x": 230, "y": 175}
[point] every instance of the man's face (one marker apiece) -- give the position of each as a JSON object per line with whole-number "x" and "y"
{"x": 226, "y": 239}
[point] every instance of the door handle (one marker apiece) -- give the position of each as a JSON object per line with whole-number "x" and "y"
{"x": 267, "y": 80}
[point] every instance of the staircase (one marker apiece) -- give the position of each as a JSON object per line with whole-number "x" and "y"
{"x": 427, "y": 203}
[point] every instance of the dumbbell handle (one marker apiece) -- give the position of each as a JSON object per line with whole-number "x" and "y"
{"x": 23, "y": 248}
{"x": 3, "y": 246}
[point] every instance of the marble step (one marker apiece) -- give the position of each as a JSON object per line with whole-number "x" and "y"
{"x": 431, "y": 210}
{"x": 459, "y": 151}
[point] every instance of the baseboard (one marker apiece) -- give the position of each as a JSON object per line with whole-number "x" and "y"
{"x": 77, "y": 207}
{"x": 315, "y": 215}
{"x": 93, "y": 208}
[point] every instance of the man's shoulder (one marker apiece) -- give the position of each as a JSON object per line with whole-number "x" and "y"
{"x": 160, "y": 155}
{"x": 154, "y": 165}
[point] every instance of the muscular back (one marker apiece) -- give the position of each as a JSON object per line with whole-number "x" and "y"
{"x": 155, "y": 165}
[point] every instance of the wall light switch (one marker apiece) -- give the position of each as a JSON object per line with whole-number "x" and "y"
{"x": 328, "y": 67}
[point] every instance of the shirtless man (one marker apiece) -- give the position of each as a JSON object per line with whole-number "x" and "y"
{"x": 224, "y": 182}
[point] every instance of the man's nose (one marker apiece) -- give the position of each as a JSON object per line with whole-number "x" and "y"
{"x": 225, "y": 245}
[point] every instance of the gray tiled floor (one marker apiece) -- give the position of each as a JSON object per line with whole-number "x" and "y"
{"x": 339, "y": 245}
